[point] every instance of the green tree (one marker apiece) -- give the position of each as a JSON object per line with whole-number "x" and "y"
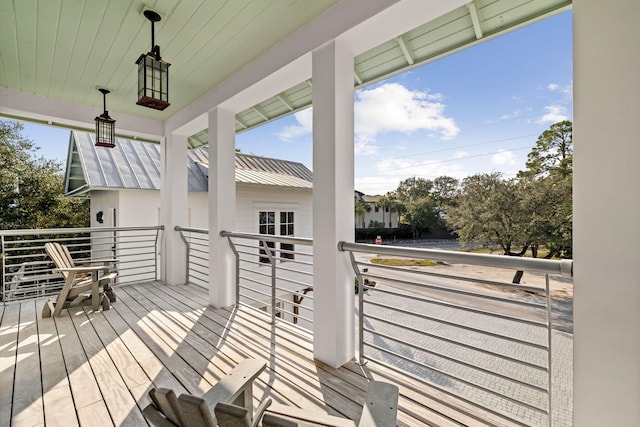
{"x": 421, "y": 214}
{"x": 413, "y": 189}
{"x": 489, "y": 212}
{"x": 549, "y": 183}
{"x": 553, "y": 152}
{"x": 360, "y": 210}
{"x": 31, "y": 187}
{"x": 444, "y": 193}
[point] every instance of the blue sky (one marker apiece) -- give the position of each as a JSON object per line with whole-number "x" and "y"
{"x": 478, "y": 110}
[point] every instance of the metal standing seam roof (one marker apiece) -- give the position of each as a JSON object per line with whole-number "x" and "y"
{"x": 136, "y": 165}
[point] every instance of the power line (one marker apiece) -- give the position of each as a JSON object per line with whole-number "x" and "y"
{"x": 464, "y": 146}
{"x": 444, "y": 161}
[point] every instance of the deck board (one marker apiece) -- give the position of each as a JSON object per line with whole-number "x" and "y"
{"x": 28, "y": 407}
{"x": 86, "y": 368}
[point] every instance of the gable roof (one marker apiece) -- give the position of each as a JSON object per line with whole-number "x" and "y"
{"x": 136, "y": 165}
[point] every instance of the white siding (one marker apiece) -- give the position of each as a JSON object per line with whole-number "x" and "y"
{"x": 251, "y": 200}
{"x": 140, "y": 208}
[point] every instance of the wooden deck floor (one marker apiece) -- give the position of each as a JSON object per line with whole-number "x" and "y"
{"x": 95, "y": 369}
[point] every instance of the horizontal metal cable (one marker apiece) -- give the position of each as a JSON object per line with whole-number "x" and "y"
{"x": 463, "y": 308}
{"x": 458, "y": 325}
{"x": 458, "y": 361}
{"x": 462, "y": 380}
{"x": 460, "y": 291}
{"x": 502, "y": 285}
{"x": 404, "y": 326}
{"x": 452, "y": 394}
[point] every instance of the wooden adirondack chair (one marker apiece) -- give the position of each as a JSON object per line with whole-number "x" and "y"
{"x": 380, "y": 410}
{"x": 82, "y": 284}
{"x": 168, "y": 410}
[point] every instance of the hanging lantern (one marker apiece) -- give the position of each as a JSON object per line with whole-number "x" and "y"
{"x": 153, "y": 73}
{"x": 105, "y": 125}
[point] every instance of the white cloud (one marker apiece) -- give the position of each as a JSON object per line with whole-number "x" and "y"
{"x": 303, "y": 127}
{"x": 459, "y": 154}
{"x": 503, "y": 157}
{"x": 554, "y": 113}
{"x": 553, "y": 86}
{"x": 390, "y": 107}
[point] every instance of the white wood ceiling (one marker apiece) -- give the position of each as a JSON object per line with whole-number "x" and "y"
{"x": 66, "y": 49}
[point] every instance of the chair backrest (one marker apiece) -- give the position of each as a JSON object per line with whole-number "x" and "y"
{"x": 60, "y": 256}
{"x": 166, "y": 401}
{"x": 195, "y": 411}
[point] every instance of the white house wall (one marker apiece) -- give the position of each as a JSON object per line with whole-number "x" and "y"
{"x": 390, "y": 218}
{"x": 251, "y": 200}
{"x": 137, "y": 208}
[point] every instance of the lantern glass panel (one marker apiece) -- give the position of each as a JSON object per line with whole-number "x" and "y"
{"x": 153, "y": 82}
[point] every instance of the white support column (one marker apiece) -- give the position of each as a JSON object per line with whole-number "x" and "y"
{"x": 606, "y": 213}
{"x": 333, "y": 298}
{"x": 222, "y": 206}
{"x": 173, "y": 207}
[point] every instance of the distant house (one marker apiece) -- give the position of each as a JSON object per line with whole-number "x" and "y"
{"x": 123, "y": 184}
{"x": 385, "y": 217}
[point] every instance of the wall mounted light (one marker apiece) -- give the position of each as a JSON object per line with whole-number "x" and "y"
{"x": 153, "y": 73}
{"x": 105, "y": 125}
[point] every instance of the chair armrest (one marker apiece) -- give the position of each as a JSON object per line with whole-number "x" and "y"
{"x": 228, "y": 414}
{"x": 380, "y": 406}
{"x": 237, "y": 386}
{"x": 284, "y": 416}
{"x": 87, "y": 269}
{"x": 100, "y": 260}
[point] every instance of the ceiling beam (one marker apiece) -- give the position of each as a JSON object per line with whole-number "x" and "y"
{"x": 405, "y": 50}
{"x": 260, "y": 113}
{"x": 357, "y": 77}
{"x": 475, "y": 19}
{"x": 286, "y": 103}
{"x": 242, "y": 125}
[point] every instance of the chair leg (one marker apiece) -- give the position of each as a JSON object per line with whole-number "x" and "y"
{"x": 106, "y": 305}
{"x": 110, "y": 293}
{"x": 47, "y": 309}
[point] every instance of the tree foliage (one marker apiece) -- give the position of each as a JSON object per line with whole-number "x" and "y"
{"x": 31, "y": 187}
{"x": 553, "y": 152}
{"x": 532, "y": 210}
{"x": 360, "y": 210}
{"x": 421, "y": 215}
{"x": 412, "y": 189}
{"x": 489, "y": 212}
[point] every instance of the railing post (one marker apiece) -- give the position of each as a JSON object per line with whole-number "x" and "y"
{"x": 155, "y": 255}
{"x": 4, "y": 277}
{"x": 361, "y": 359}
{"x": 272, "y": 260}
{"x": 237, "y": 255}
{"x": 188, "y": 245}
{"x": 550, "y": 351}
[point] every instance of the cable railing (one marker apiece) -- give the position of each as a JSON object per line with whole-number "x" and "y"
{"x": 485, "y": 343}
{"x": 197, "y": 242}
{"x": 274, "y": 274}
{"x": 27, "y": 269}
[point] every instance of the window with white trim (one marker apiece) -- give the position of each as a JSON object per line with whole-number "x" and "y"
{"x": 268, "y": 223}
